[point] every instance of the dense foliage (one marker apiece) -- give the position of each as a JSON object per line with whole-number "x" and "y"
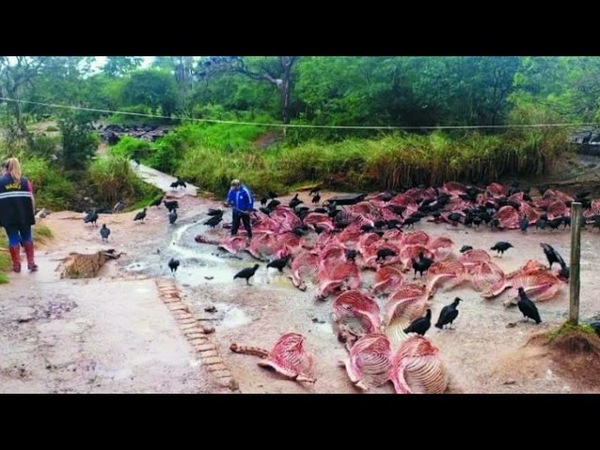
{"x": 324, "y": 101}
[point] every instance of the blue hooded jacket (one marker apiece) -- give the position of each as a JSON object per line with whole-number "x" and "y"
{"x": 241, "y": 199}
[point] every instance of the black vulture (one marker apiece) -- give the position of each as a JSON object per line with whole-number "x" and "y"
{"x": 448, "y": 314}
{"x": 247, "y": 273}
{"x": 140, "y": 216}
{"x": 501, "y": 247}
{"x": 173, "y": 265}
{"x": 104, "y": 232}
{"x": 420, "y": 325}
{"x": 527, "y": 307}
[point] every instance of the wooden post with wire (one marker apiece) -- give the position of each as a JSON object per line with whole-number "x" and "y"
{"x": 576, "y": 215}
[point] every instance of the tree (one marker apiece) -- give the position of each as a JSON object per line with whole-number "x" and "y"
{"x": 117, "y": 66}
{"x": 182, "y": 70}
{"x": 153, "y": 88}
{"x": 276, "y": 71}
{"x": 62, "y": 80}
{"x": 79, "y": 142}
{"x": 16, "y": 77}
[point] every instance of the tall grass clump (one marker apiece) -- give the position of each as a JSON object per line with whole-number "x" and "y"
{"x": 405, "y": 160}
{"x": 41, "y": 233}
{"x": 133, "y": 148}
{"x": 53, "y": 190}
{"x": 112, "y": 179}
{"x": 208, "y": 155}
{"x": 315, "y": 161}
{"x": 399, "y": 160}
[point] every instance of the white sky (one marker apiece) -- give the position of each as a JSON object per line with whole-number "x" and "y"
{"x": 100, "y": 60}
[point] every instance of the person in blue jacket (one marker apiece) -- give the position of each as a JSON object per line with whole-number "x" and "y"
{"x": 240, "y": 198}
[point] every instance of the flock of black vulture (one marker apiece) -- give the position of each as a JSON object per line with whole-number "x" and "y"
{"x": 420, "y": 325}
{"x": 450, "y": 312}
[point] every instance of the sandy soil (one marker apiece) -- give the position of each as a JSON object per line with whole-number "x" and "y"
{"x": 489, "y": 351}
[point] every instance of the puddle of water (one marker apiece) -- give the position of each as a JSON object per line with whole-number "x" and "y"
{"x": 234, "y": 317}
{"x": 323, "y": 328}
{"x": 205, "y": 264}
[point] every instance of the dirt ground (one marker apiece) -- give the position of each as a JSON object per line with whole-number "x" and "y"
{"x": 489, "y": 351}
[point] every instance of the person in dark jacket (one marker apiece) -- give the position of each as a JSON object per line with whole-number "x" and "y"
{"x": 17, "y": 213}
{"x": 240, "y": 198}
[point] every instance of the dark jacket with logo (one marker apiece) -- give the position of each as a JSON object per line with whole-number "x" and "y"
{"x": 16, "y": 204}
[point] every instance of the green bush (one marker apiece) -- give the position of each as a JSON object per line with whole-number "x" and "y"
{"x": 52, "y": 189}
{"x": 112, "y": 179}
{"x": 43, "y": 146}
{"x": 79, "y": 142}
{"x": 222, "y": 139}
{"x": 133, "y": 148}
{"x": 391, "y": 162}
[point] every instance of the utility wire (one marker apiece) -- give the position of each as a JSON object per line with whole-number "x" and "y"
{"x": 337, "y": 127}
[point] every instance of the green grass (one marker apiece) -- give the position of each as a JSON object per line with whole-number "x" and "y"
{"x": 399, "y": 160}
{"x": 568, "y": 328}
{"x": 5, "y": 262}
{"x": 41, "y": 233}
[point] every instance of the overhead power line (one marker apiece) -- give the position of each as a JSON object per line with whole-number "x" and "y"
{"x": 350, "y": 127}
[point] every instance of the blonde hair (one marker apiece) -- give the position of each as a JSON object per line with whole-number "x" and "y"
{"x": 13, "y": 167}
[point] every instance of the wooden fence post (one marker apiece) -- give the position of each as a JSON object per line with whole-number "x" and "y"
{"x": 576, "y": 213}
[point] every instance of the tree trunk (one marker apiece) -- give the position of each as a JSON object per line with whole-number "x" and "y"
{"x": 285, "y": 88}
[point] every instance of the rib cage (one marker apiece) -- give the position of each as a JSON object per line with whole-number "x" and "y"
{"x": 415, "y": 238}
{"x": 530, "y": 266}
{"x": 508, "y": 217}
{"x": 471, "y": 258}
{"x": 539, "y": 286}
{"x": 408, "y": 302}
{"x": 233, "y": 244}
{"x": 288, "y": 357}
{"x": 485, "y": 275}
{"x": 451, "y": 272}
{"x": 306, "y": 264}
{"x": 370, "y": 361}
{"x": 417, "y": 368}
{"x": 402, "y": 307}
{"x": 264, "y": 245}
{"x": 441, "y": 247}
{"x": 357, "y": 310}
{"x": 387, "y": 279}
